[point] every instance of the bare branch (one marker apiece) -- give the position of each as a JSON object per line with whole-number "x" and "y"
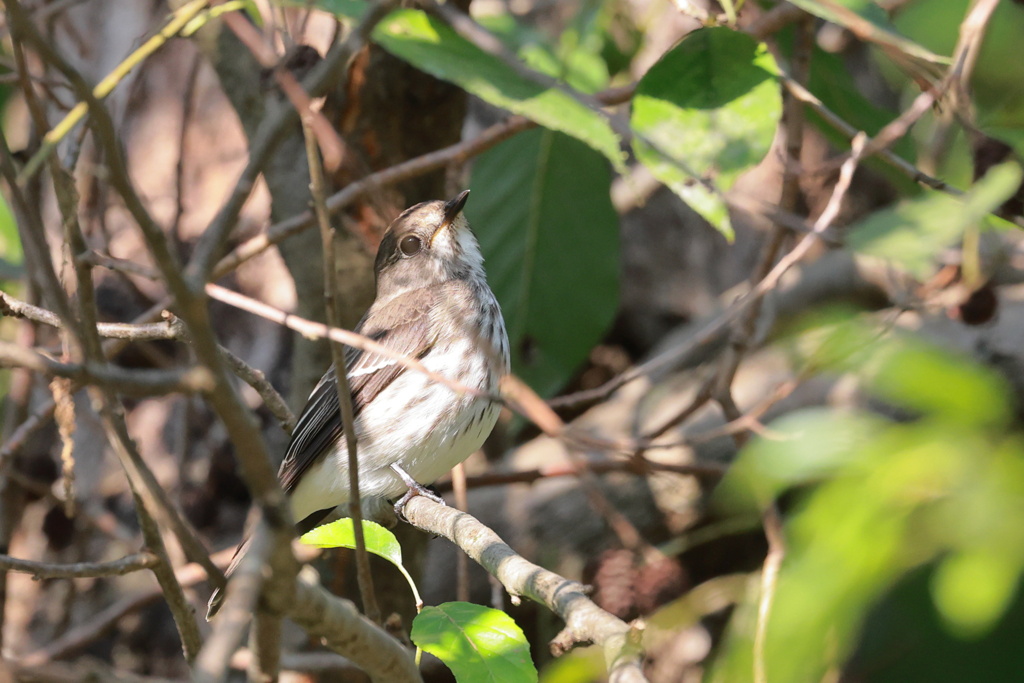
{"x": 256, "y": 379}
{"x": 314, "y": 330}
{"x": 140, "y": 382}
{"x": 454, "y": 154}
{"x": 317, "y": 189}
{"x": 79, "y": 570}
{"x": 168, "y": 329}
{"x": 346, "y": 631}
{"x": 274, "y": 126}
{"x": 585, "y": 621}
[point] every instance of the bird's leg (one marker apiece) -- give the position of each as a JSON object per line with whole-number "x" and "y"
{"x": 415, "y": 489}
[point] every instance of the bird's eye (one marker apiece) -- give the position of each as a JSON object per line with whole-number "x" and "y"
{"x": 410, "y": 245}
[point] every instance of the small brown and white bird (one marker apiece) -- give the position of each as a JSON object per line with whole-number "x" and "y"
{"x": 433, "y": 304}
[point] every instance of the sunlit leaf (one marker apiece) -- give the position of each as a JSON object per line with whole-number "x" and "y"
{"x": 908, "y": 373}
{"x": 706, "y": 112}
{"x": 878, "y": 499}
{"x": 974, "y": 587}
{"x": 432, "y": 46}
{"x": 582, "y": 69}
{"x": 582, "y": 665}
{"x": 10, "y": 242}
{"x": 913, "y": 232}
{"x": 379, "y": 541}
{"x": 479, "y": 644}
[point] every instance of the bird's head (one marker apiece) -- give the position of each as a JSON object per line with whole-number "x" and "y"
{"x": 428, "y": 244}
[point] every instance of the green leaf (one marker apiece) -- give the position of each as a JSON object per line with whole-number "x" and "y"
{"x": 432, "y": 46}
{"x": 582, "y": 665}
{"x": 347, "y": 9}
{"x": 973, "y": 588}
{"x": 707, "y": 111}
{"x": 549, "y": 235}
{"x": 868, "y": 22}
{"x": 906, "y": 373}
{"x": 10, "y": 241}
{"x": 379, "y": 541}
{"x": 915, "y": 231}
{"x": 582, "y": 67}
{"x": 479, "y": 644}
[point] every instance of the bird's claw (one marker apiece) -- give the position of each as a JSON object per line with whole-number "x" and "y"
{"x": 415, "y": 489}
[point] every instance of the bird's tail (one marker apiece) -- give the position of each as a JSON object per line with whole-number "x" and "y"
{"x": 217, "y": 599}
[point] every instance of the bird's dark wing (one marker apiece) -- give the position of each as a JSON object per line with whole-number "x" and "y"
{"x": 402, "y": 325}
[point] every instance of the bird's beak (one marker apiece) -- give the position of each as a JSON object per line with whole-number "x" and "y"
{"x": 452, "y": 208}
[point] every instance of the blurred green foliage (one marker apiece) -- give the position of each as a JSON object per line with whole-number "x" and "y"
{"x": 934, "y": 477}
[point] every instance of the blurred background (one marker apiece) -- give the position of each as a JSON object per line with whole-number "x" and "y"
{"x": 823, "y": 483}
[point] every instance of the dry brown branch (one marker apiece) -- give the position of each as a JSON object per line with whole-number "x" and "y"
{"x": 131, "y": 382}
{"x": 331, "y": 145}
{"x": 242, "y": 596}
{"x": 585, "y": 621}
{"x": 81, "y": 636}
{"x": 454, "y": 154}
{"x": 840, "y": 124}
{"x": 346, "y": 631}
{"x": 79, "y": 570}
{"x": 274, "y": 126}
{"x": 256, "y": 379}
{"x": 314, "y": 330}
{"x": 707, "y": 471}
{"x": 169, "y": 329}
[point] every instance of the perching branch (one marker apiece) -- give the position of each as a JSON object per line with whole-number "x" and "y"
{"x": 584, "y": 620}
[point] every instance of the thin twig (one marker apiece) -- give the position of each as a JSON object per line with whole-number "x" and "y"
{"x": 265, "y": 141}
{"x": 793, "y": 118}
{"x": 458, "y": 482}
{"x": 708, "y": 471}
{"x": 771, "y": 521}
{"x": 314, "y": 330}
{"x": 415, "y": 167}
{"x": 138, "y": 382}
{"x": 167, "y": 329}
{"x": 256, "y": 379}
{"x": 79, "y": 570}
{"x": 317, "y": 189}
{"x": 242, "y": 596}
{"x": 180, "y": 18}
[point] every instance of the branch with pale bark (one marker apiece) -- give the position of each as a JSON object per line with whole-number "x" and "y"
{"x": 585, "y": 622}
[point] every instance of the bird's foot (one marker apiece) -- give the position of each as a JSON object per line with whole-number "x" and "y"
{"x": 415, "y": 489}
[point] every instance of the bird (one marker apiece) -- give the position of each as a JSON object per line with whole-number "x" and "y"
{"x": 432, "y": 304}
